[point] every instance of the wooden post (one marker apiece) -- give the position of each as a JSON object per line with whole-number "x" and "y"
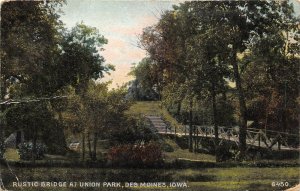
{"x": 259, "y": 139}
{"x": 228, "y": 133}
{"x": 175, "y": 130}
{"x": 185, "y": 130}
{"x": 279, "y": 143}
{"x": 197, "y": 138}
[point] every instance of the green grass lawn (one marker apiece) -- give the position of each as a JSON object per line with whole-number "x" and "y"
{"x": 180, "y": 153}
{"x": 11, "y": 154}
{"x": 205, "y": 179}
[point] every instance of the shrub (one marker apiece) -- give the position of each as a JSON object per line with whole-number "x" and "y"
{"x": 133, "y": 130}
{"x": 167, "y": 147}
{"x": 26, "y": 151}
{"x": 136, "y": 154}
{"x": 224, "y": 153}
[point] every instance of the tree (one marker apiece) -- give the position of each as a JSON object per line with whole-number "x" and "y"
{"x": 144, "y": 85}
{"x": 97, "y": 114}
{"x": 74, "y": 116}
{"x": 40, "y": 58}
{"x": 179, "y": 47}
{"x": 106, "y": 111}
{"x": 29, "y": 38}
{"x": 199, "y": 44}
{"x": 271, "y": 77}
{"x": 241, "y": 21}
{"x": 166, "y": 44}
{"x": 38, "y": 124}
{"x": 80, "y": 59}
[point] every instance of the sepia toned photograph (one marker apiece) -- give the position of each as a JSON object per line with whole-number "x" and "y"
{"x": 149, "y": 95}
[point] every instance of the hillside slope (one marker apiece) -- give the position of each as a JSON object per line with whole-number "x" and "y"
{"x": 154, "y": 108}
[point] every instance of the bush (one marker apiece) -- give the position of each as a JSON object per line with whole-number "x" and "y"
{"x": 26, "y": 151}
{"x": 132, "y": 154}
{"x": 133, "y": 130}
{"x": 224, "y": 153}
{"x": 54, "y": 139}
{"x": 168, "y": 148}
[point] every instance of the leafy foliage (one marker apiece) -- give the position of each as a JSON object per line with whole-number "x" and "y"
{"x": 134, "y": 130}
{"x": 29, "y": 38}
{"x": 80, "y": 60}
{"x": 40, "y": 58}
{"x": 99, "y": 113}
{"x": 200, "y": 48}
{"x": 143, "y": 87}
{"x": 26, "y": 150}
{"x": 148, "y": 154}
{"x": 38, "y": 124}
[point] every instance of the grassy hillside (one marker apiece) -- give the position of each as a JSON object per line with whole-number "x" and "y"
{"x": 154, "y": 108}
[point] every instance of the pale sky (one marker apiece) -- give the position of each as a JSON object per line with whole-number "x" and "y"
{"x": 120, "y": 22}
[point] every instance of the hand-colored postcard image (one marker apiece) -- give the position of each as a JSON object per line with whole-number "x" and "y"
{"x": 149, "y": 95}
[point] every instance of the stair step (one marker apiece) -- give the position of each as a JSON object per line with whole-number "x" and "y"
{"x": 158, "y": 123}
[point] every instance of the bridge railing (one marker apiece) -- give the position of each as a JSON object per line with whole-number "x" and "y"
{"x": 271, "y": 138}
{"x": 255, "y": 137}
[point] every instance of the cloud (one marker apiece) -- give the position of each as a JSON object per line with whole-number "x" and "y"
{"x": 122, "y": 41}
{"x": 118, "y": 51}
{"x": 121, "y": 54}
{"x": 119, "y": 76}
{"x": 113, "y": 49}
{"x": 133, "y": 31}
{"x": 120, "y": 22}
{"x": 122, "y": 49}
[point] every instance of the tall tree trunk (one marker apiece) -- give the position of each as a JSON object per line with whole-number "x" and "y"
{"x": 224, "y": 96}
{"x": 178, "y": 108}
{"x": 2, "y": 138}
{"x": 191, "y": 126}
{"x": 2, "y": 108}
{"x": 216, "y": 128}
{"x": 95, "y": 146}
{"x": 83, "y": 146}
{"x": 62, "y": 131}
{"x": 89, "y": 145}
{"x": 34, "y": 145}
{"x": 242, "y": 107}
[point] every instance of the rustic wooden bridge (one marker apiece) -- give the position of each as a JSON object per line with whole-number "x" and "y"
{"x": 273, "y": 140}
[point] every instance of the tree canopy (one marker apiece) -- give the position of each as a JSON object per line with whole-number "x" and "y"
{"x": 219, "y": 49}
{"x": 42, "y": 59}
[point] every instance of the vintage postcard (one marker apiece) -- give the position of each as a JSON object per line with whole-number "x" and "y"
{"x": 149, "y": 95}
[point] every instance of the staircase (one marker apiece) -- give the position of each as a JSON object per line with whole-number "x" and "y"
{"x": 158, "y": 125}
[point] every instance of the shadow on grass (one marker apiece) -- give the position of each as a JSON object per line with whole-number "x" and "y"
{"x": 198, "y": 178}
{"x": 182, "y": 142}
{"x": 259, "y": 187}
